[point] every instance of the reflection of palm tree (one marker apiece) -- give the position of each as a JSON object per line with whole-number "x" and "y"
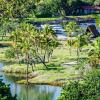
{"x": 36, "y": 93}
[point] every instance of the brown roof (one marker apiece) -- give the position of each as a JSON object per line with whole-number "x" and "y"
{"x": 91, "y": 7}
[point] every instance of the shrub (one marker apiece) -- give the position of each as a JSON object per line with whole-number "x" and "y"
{"x": 5, "y": 93}
{"x": 88, "y": 89}
{"x": 10, "y": 53}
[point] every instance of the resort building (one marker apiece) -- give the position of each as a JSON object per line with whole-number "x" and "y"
{"x": 88, "y": 10}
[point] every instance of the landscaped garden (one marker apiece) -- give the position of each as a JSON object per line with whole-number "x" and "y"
{"x": 37, "y": 65}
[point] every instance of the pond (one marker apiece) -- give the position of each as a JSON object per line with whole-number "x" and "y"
{"x": 61, "y": 33}
{"x": 30, "y": 92}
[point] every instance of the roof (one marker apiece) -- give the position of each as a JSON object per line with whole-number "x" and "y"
{"x": 93, "y": 30}
{"x": 91, "y": 7}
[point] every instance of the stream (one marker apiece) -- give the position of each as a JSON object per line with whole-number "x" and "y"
{"x": 30, "y": 92}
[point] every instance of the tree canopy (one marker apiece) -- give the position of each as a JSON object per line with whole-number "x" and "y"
{"x": 41, "y": 8}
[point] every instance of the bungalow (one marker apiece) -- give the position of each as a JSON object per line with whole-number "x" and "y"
{"x": 94, "y": 32}
{"x": 88, "y": 10}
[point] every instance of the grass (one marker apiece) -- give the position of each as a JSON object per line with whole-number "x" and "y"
{"x": 2, "y": 55}
{"x": 43, "y": 19}
{"x": 57, "y": 77}
{"x": 82, "y": 16}
{"x": 85, "y": 16}
{"x": 58, "y": 18}
{"x": 56, "y": 74}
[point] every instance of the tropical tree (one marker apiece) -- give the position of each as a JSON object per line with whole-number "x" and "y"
{"x": 49, "y": 41}
{"x": 33, "y": 45}
{"x": 23, "y": 43}
{"x": 94, "y": 53}
{"x": 71, "y": 28}
{"x": 16, "y": 8}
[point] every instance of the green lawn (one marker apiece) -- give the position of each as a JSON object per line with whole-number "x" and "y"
{"x": 46, "y": 76}
{"x": 43, "y": 19}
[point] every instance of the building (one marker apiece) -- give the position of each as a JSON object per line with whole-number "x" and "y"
{"x": 88, "y": 10}
{"x": 94, "y": 32}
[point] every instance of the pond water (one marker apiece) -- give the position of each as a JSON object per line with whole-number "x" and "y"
{"x": 60, "y": 32}
{"x": 30, "y": 92}
{"x": 85, "y": 25}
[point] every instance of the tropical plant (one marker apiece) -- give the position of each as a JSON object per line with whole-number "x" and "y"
{"x": 73, "y": 30}
{"x": 87, "y": 89}
{"x": 5, "y": 93}
{"x": 49, "y": 41}
{"x": 94, "y": 52}
{"x": 38, "y": 45}
{"x": 10, "y": 53}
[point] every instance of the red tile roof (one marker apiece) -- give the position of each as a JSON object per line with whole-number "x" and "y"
{"x": 91, "y": 7}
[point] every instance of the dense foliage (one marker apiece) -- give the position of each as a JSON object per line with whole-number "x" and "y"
{"x": 88, "y": 89}
{"x": 94, "y": 53}
{"x": 41, "y": 8}
{"x": 5, "y": 93}
{"x": 31, "y": 44}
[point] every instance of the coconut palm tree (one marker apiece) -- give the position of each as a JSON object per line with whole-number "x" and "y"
{"x": 70, "y": 29}
{"x": 94, "y": 53}
{"x": 49, "y": 41}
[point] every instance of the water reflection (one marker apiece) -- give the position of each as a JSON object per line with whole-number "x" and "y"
{"x": 30, "y": 92}
{"x": 37, "y": 92}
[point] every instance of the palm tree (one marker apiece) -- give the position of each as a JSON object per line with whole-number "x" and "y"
{"x": 70, "y": 28}
{"x": 22, "y": 42}
{"x": 76, "y": 41}
{"x": 94, "y": 53}
{"x": 49, "y": 41}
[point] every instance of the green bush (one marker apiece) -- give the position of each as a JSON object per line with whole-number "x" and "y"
{"x": 88, "y": 89}
{"x": 5, "y": 93}
{"x": 42, "y": 11}
{"x": 10, "y": 53}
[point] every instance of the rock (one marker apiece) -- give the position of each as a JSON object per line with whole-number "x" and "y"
{"x": 33, "y": 74}
{"x": 69, "y": 63}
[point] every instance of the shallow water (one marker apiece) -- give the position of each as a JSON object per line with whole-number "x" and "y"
{"x": 30, "y": 92}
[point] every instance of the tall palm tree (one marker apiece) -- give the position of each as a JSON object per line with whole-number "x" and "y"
{"x": 70, "y": 29}
{"x": 49, "y": 40}
{"x": 94, "y": 53}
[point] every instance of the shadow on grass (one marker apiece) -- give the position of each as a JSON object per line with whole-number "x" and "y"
{"x": 53, "y": 66}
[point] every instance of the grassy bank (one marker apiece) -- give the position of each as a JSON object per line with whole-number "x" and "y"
{"x": 43, "y": 19}
{"x": 57, "y": 74}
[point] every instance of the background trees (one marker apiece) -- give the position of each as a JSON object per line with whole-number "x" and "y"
{"x": 41, "y": 8}
{"x": 16, "y": 8}
{"x": 92, "y": 2}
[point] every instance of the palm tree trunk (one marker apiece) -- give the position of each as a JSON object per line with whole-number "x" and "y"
{"x": 77, "y": 56}
{"x": 27, "y": 66}
{"x": 27, "y": 72}
{"x": 70, "y": 51}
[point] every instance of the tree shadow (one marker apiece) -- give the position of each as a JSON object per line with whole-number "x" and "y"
{"x": 53, "y": 66}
